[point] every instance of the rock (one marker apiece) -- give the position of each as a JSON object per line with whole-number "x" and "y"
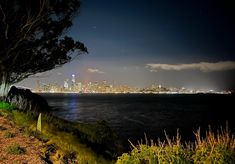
{"x": 25, "y": 100}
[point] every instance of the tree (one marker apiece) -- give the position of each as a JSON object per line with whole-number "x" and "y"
{"x": 32, "y": 37}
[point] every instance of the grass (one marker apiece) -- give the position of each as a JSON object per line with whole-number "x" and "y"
{"x": 9, "y": 135}
{"x": 15, "y": 149}
{"x": 214, "y": 148}
{"x": 68, "y": 141}
{"x": 72, "y": 139}
{"x": 71, "y": 142}
{"x": 7, "y": 106}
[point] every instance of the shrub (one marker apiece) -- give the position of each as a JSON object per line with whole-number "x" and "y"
{"x": 213, "y": 148}
{"x": 219, "y": 148}
{"x": 170, "y": 152}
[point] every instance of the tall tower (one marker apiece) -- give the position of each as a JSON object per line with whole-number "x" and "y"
{"x": 73, "y": 83}
{"x": 73, "y": 79}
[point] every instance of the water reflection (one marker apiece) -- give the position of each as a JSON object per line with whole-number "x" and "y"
{"x": 133, "y": 115}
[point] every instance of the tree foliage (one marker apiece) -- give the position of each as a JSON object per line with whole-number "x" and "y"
{"x": 32, "y": 37}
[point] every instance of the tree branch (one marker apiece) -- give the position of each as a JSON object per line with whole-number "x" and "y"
{"x": 4, "y": 21}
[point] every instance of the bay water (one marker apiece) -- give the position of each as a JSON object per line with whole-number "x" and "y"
{"x": 133, "y": 115}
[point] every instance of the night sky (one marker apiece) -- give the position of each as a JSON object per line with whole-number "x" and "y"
{"x": 140, "y": 42}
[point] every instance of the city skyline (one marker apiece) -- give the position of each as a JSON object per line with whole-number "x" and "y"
{"x": 74, "y": 86}
{"x": 139, "y": 43}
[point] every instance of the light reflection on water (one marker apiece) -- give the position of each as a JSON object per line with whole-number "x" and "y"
{"x": 133, "y": 115}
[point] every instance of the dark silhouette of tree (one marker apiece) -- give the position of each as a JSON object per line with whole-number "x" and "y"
{"x": 32, "y": 37}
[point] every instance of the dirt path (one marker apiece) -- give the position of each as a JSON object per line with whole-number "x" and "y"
{"x": 10, "y": 135}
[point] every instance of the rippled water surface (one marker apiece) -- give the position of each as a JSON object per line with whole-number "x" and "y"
{"x": 135, "y": 114}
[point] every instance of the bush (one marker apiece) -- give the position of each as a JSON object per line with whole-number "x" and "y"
{"x": 15, "y": 149}
{"x": 213, "y": 148}
{"x": 218, "y": 148}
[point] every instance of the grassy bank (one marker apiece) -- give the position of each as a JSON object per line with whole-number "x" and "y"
{"x": 216, "y": 148}
{"x": 66, "y": 141}
{"x": 69, "y": 142}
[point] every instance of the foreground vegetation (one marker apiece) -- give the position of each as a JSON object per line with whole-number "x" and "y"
{"x": 69, "y": 142}
{"x": 65, "y": 141}
{"x": 15, "y": 149}
{"x": 214, "y": 148}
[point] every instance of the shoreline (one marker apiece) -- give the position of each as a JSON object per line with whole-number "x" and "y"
{"x": 64, "y": 141}
{"x": 138, "y": 93}
{"x": 46, "y": 149}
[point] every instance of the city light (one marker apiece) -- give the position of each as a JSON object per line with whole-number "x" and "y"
{"x": 74, "y": 86}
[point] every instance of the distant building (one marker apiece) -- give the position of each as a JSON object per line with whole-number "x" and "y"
{"x": 38, "y": 87}
{"x": 73, "y": 82}
{"x": 73, "y": 79}
{"x": 79, "y": 87}
{"x": 66, "y": 85}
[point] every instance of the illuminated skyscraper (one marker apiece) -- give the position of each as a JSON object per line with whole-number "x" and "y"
{"x": 66, "y": 84}
{"x": 73, "y": 82}
{"x": 79, "y": 87}
{"x": 73, "y": 79}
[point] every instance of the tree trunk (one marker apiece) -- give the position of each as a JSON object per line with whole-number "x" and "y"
{"x": 4, "y": 85}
